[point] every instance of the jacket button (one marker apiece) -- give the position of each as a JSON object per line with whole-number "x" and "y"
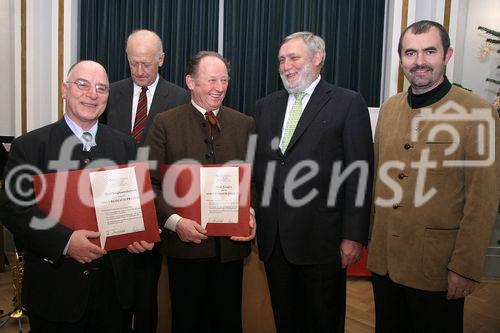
{"x": 86, "y": 161}
{"x": 282, "y": 162}
{"x": 86, "y": 272}
{"x": 396, "y": 206}
{"x": 208, "y": 156}
{"x": 206, "y": 141}
{"x": 408, "y": 146}
{"x": 402, "y": 175}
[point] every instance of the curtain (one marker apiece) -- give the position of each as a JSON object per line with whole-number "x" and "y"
{"x": 253, "y": 30}
{"x": 185, "y": 27}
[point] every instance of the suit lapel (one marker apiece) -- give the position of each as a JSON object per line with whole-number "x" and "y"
{"x": 61, "y": 133}
{"x": 125, "y": 98}
{"x": 103, "y": 149}
{"x": 279, "y": 111}
{"x": 160, "y": 97}
{"x": 316, "y": 103}
{"x": 59, "y": 136}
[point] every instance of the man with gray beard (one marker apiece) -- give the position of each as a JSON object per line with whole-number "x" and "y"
{"x": 313, "y": 214}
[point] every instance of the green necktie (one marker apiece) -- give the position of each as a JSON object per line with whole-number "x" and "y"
{"x": 293, "y": 120}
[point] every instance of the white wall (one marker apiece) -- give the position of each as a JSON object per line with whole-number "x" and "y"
{"x": 7, "y": 70}
{"x": 471, "y": 71}
{"x": 42, "y": 49}
{"x": 465, "y": 66}
{"x": 41, "y": 63}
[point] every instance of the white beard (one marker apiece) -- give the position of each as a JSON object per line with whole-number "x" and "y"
{"x": 306, "y": 77}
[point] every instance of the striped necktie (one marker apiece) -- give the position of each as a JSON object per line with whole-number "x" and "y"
{"x": 293, "y": 120}
{"x": 140, "y": 115}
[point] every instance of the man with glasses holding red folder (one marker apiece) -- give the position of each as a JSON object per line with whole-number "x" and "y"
{"x": 69, "y": 283}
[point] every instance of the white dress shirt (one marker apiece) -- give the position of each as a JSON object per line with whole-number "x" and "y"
{"x": 291, "y": 101}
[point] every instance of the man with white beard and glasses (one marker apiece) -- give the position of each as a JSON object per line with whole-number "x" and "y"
{"x": 307, "y": 233}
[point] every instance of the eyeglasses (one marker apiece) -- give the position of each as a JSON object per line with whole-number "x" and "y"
{"x": 85, "y": 85}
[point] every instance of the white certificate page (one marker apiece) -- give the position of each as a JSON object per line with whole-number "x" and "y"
{"x": 117, "y": 202}
{"x": 219, "y": 189}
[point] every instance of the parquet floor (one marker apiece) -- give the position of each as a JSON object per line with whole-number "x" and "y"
{"x": 482, "y": 308}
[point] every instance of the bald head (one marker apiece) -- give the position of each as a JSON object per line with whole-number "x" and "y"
{"x": 144, "y": 39}
{"x": 145, "y": 55}
{"x": 86, "y": 65}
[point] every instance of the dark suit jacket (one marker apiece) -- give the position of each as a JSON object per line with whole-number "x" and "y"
{"x": 118, "y": 112}
{"x": 183, "y": 133}
{"x": 56, "y": 287}
{"x": 334, "y": 128}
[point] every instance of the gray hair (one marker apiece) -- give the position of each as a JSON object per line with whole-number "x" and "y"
{"x": 313, "y": 42}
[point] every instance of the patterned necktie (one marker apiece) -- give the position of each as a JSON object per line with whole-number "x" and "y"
{"x": 209, "y": 115}
{"x": 140, "y": 115}
{"x": 293, "y": 120}
{"x": 87, "y": 138}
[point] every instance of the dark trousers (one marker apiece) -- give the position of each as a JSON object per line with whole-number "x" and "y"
{"x": 403, "y": 309}
{"x": 205, "y": 295}
{"x": 144, "y": 312}
{"x": 306, "y": 298}
{"x": 102, "y": 315}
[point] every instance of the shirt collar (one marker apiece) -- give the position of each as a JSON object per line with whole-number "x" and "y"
{"x": 151, "y": 87}
{"x": 78, "y": 131}
{"x": 309, "y": 90}
{"x": 202, "y": 110}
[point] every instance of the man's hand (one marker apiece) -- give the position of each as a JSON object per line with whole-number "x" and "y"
{"x": 253, "y": 229}
{"x": 190, "y": 231}
{"x": 350, "y": 251}
{"x": 459, "y": 286}
{"x": 139, "y": 247}
{"x": 83, "y": 250}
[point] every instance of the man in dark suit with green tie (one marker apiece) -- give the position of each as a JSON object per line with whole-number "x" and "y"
{"x": 310, "y": 225}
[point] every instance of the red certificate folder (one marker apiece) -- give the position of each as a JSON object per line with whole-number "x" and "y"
{"x": 74, "y": 193}
{"x": 183, "y": 180}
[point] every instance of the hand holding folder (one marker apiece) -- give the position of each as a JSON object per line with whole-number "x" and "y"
{"x": 197, "y": 193}
{"x": 68, "y": 198}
